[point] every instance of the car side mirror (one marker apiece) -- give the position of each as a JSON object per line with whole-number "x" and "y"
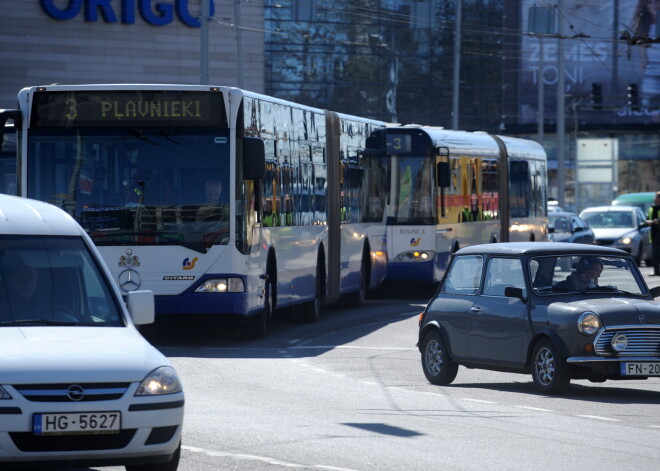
{"x": 578, "y": 229}
{"x": 512, "y": 292}
{"x": 655, "y": 291}
{"x": 141, "y": 306}
{"x": 551, "y": 229}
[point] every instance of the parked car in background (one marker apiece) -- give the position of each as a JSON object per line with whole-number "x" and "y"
{"x": 79, "y": 386}
{"x": 513, "y": 307}
{"x": 621, "y": 227}
{"x": 642, "y": 200}
{"x": 569, "y": 227}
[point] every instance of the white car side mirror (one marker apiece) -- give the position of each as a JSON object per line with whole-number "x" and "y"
{"x": 141, "y": 307}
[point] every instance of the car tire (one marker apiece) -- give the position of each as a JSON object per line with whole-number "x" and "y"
{"x": 171, "y": 465}
{"x": 551, "y": 374}
{"x": 438, "y": 366}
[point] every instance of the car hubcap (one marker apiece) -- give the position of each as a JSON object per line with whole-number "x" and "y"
{"x": 434, "y": 357}
{"x": 545, "y": 366}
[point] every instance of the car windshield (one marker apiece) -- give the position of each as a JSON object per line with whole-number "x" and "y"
{"x": 53, "y": 281}
{"x": 608, "y": 219}
{"x": 578, "y": 274}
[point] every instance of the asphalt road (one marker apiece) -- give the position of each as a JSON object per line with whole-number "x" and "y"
{"x": 348, "y": 393}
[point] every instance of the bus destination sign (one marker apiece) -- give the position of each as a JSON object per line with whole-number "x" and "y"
{"x": 127, "y": 108}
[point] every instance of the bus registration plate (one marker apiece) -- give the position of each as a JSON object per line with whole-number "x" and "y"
{"x": 640, "y": 369}
{"x": 76, "y": 422}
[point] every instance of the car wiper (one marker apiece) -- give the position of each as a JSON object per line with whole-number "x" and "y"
{"x": 163, "y": 235}
{"x": 38, "y": 322}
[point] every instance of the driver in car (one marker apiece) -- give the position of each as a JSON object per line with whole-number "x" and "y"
{"x": 584, "y": 277}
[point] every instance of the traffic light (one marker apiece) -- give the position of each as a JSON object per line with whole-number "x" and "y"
{"x": 596, "y": 95}
{"x": 633, "y": 96}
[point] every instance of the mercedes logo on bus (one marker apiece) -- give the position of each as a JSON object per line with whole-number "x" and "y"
{"x": 129, "y": 280}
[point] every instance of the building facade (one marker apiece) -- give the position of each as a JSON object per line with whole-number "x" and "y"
{"x": 385, "y": 59}
{"x": 113, "y": 41}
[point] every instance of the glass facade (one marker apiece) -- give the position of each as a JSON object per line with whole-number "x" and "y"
{"x": 387, "y": 59}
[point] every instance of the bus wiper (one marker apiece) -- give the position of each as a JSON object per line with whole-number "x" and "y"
{"x": 162, "y": 235}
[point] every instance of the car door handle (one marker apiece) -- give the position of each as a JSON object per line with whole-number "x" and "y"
{"x": 475, "y": 309}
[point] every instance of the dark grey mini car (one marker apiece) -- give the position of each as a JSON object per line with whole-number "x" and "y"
{"x": 559, "y": 311}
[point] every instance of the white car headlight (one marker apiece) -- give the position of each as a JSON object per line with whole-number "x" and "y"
{"x": 4, "y": 394}
{"x": 589, "y": 323}
{"x": 162, "y": 380}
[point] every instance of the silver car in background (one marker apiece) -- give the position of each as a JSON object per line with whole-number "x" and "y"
{"x": 621, "y": 227}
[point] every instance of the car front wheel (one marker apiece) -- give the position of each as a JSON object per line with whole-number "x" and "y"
{"x": 550, "y": 372}
{"x": 438, "y": 366}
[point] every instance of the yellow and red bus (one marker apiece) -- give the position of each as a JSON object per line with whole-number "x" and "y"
{"x": 450, "y": 189}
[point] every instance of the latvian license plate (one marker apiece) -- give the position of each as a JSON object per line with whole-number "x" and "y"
{"x": 640, "y": 368}
{"x": 76, "y": 422}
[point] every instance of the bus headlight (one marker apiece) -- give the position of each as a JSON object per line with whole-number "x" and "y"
{"x": 416, "y": 256}
{"x": 222, "y": 285}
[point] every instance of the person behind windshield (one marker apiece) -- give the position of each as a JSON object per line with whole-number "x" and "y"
{"x": 584, "y": 277}
{"x": 22, "y": 287}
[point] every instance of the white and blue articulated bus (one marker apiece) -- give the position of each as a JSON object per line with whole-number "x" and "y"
{"x": 450, "y": 189}
{"x": 221, "y": 201}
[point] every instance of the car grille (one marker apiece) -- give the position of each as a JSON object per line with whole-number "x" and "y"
{"x": 604, "y": 242}
{"x": 641, "y": 342}
{"x": 72, "y": 392}
{"x": 28, "y": 442}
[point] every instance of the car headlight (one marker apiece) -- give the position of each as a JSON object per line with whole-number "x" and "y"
{"x": 415, "y": 256}
{"x": 162, "y": 380}
{"x": 588, "y": 323}
{"x": 625, "y": 240}
{"x": 222, "y": 285}
{"x": 4, "y": 394}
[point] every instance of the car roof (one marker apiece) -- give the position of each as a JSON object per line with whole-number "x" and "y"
{"x": 562, "y": 213}
{"x": 539, "y": 248}
{"x": 603, "y": 209}
{"x": 644, "y": 196}
{"x": 30, "y": 217}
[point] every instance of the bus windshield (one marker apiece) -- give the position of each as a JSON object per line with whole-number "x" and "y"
{"x": 136, "y": 185}
{"x": 412, "y": 184}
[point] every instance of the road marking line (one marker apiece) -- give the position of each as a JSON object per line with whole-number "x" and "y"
{"x": 597, "y": 417}
{"x": 264, "y": 459}
{"x": 538, "y": 409}
{"x": 654, "y": 426}
{"x": 477, "y": 400}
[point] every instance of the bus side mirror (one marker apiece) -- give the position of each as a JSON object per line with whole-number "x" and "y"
{"x": 254, "y": 158}
{"x": 443, "y": 174}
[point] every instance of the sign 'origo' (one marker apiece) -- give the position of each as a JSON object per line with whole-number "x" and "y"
{"x": 157, "y": 13}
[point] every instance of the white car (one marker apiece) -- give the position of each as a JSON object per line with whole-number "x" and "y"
{"x": 79, "y": 385}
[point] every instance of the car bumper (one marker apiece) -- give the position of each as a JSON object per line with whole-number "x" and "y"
{"x": 615, "y": 368}
{"x": 150, "y": 432}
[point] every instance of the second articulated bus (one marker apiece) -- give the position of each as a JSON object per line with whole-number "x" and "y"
{"x": 451, "y": 189}
{"x": 221, "y": 201}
